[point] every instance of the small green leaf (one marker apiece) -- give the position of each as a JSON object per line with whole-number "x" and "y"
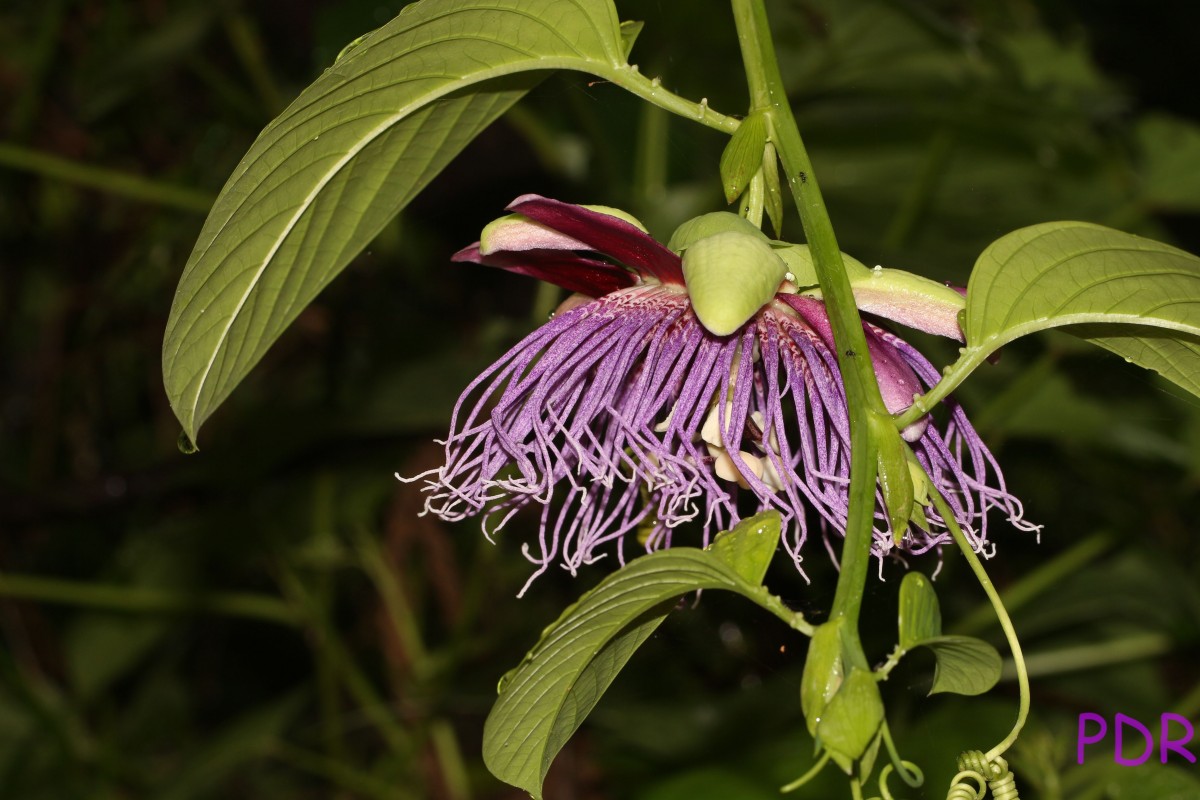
{"x": 1136, "y": 297}
{"x": 851, "y": 720}
{"x": 965, "y": 665}
{"x": 749, "y": 547}
{"x": 743, "y": 156}
{"x": 774, "y": 198}
{"x": 345, "y": 157}
{"x": 630, "y": 30}
{"x": 545, "y": 699}
{"x": 920, "y": 615}
{"x": 729, "y": 277}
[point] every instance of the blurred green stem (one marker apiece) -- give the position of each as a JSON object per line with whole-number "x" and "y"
{"x": 248, "y": 46}
{"x": 338, "y": 773}
{"x": 371, "y": 557}
{"x": 917, "y": 201}
{"x": 329, "y": 699}
{"x": 650, "y": 161}
{"x": 24, "y": 110}
{"x": 1091, "y": 656}
{"x": 1189, "y": 706}
{"x": 109, "y": 181}
{"x": 46, "y": 704}
{"x": 1032, "y": 585}
{"x": 545, "y": 299}
{"x": 408, "y": 631}
{"x": 139, "y": 600}
{"x": 381, "y": 713}
{"x": 548, "y": 145}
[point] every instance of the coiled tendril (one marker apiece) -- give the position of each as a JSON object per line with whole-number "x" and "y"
{"x": 995, "y": 775}
{"x": 909, "y": 772}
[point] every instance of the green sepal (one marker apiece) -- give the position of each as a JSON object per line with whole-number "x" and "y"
{"x": 866, "y": 762}
{"x": 729, "y": 277}
{"x": 900, "y": 296}
{"x": 519, "y": 232}
{"x": 909, "y": 299}
{"x": 920, "y": 483}
{"x": 800, "y": 255}
{"x": 799, "y": 262}
{"x": 743, "y": 156}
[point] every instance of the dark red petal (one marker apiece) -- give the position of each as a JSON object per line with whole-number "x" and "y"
{"x": 813, "y": 313}
{"x": 563, "y": 268}
{"x": 898, "y": 383}
{"x": 605, "y": 234}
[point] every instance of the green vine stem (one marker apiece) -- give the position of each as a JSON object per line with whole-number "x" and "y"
{"x": 952, "y": 376}
{"x": 768, "y": 96}
{"x": 943, "y": 508}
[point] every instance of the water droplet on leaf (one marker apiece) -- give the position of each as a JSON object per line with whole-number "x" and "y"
{"x": 186, "y": 445}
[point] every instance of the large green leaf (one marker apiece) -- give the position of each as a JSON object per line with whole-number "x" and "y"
{"x": 545, "y": 699}
{"x": 352, "y": 150}
{"x": 1136, "y": 297}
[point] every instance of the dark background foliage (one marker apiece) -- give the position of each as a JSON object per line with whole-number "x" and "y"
{"x": 270, "y": 618}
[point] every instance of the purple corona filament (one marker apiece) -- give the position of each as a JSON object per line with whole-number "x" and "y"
{"x": 623, "y": 418}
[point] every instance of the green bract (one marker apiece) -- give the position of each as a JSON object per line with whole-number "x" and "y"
{"x": 711, "y": 224}
{"x": 729, "y": 277}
